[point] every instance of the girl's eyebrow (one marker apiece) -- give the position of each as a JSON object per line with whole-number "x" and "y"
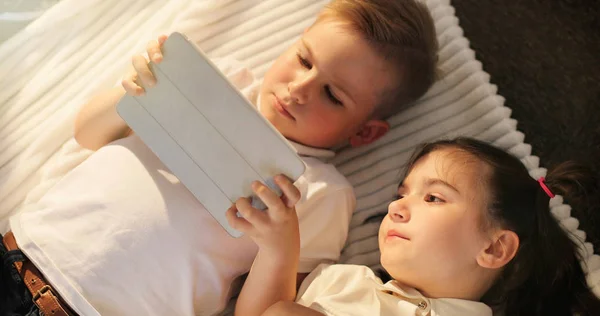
{"x": 431, "y": 182}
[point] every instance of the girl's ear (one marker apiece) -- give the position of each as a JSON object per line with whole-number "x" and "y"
{"x": 500, "y": 251}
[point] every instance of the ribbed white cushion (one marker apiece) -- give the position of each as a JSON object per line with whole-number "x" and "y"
{"x": 81, "y": 47}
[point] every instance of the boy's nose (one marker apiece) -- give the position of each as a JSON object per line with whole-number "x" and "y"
{"x": 300, "y": 89}
{"x": 398, "y": 211}
{"x": 296, "y": 93}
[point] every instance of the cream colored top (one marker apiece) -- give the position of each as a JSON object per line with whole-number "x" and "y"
{"x": 355, "y": 290}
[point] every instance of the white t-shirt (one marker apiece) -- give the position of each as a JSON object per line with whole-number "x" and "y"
{"x": 351, "y": 290}
{"x": 120, "y": 235}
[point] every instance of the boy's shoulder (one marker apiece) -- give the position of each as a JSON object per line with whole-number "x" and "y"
{"x": 324, "y": 174}
{"x": 317, "y": 170}
{"x": 319, "y": 174}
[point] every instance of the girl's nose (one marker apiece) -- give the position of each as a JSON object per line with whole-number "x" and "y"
{"x": 399, "y": 211}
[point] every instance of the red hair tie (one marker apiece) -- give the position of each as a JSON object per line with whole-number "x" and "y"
{"x": 545, "y": 187}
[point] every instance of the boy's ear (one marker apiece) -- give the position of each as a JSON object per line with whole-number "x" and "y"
{"x": 369, "y": 132}
{"x": 500, "y": 251}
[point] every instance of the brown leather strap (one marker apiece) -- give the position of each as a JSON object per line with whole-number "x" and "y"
{"x": 44, "y": 296}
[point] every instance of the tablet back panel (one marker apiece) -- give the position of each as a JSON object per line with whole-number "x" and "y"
{"x": 205, "y": 131}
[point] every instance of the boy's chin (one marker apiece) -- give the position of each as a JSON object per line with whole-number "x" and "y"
{"x": 341, "y": 145}
{"x": 321, "y": 145}
{"x": 329, "y": 144}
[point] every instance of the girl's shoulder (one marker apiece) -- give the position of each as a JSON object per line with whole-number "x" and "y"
{"x": 328, "y": 280}
{"x": 346, "y": 272}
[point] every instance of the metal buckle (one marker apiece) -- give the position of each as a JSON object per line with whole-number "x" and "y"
{"x": 41, "y": 291}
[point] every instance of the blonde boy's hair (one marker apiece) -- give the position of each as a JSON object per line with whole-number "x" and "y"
{"x": 403, "y": 33}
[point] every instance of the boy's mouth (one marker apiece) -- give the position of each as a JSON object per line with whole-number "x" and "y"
{"x": 280, "y": 107}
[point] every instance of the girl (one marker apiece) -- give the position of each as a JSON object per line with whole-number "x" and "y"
{"x": 470, "y": 230}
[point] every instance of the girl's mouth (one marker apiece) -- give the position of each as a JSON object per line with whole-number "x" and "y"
{"x": 393, "y": 234}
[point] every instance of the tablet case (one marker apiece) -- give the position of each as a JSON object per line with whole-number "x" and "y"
{"x": 206, "y": 132}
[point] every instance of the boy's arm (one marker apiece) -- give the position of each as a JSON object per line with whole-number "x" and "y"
{"x": 272, "y": 279}
{"x": 273, "y": 275}
{"x": 292, "y": 309}
{"x": 98, "y": 122}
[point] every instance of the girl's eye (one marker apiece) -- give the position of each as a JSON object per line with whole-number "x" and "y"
{"x": 332, "y": 97}
{"x": 433, "y": 199}
{"x": 398, "y": 197}
{"x": 303, "y": 61}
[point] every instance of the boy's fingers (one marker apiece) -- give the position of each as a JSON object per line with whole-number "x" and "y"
{"x": 236, "y": 222}
{"x": 252, "y": 215}
{"x": 271, "y": 200}
{"x": 162, "y": 39}
{"x": 145, "y": 76}
{"x": 154, "y": 51}
{"x": 130, "y": 85}
{"x": 291, "y": 194}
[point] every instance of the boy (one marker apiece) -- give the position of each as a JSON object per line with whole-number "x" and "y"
{"x": 119, "y": 235}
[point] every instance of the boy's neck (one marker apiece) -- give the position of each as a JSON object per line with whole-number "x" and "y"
{"x": 307, "y": 151}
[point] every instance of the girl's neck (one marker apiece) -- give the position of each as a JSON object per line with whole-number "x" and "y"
{"x": 471, "y": 288}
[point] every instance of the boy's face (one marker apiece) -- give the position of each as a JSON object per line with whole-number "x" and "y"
{"x": 323, "y": 89}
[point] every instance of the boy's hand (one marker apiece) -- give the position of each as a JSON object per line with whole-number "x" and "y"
{"x": 141, "y": 76}
{"x": 274, "y": 230}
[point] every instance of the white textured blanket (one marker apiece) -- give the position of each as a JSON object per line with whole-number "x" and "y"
{"x": 80, "y": 47}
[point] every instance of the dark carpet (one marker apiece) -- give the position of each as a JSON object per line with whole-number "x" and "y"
{"x": 544, "y": 56}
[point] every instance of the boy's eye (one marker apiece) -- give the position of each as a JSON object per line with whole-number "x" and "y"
{"x": 398, "y": 197}
{"x": 332, "y": 97}
{"x": 433, "y": 199}
{"x": 305, "y": 63}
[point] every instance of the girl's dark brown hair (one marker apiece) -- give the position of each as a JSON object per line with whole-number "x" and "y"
{"x": 545, "y": 277}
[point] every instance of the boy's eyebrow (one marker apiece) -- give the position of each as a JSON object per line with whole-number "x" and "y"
{"x": 339, "y": 86}
{"x": 306, "y": 45}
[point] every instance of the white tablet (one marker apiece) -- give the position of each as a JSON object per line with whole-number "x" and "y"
{"x": 206, "y": 132}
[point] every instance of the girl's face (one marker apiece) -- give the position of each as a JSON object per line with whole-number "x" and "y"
{"x": 432, "y": 233}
